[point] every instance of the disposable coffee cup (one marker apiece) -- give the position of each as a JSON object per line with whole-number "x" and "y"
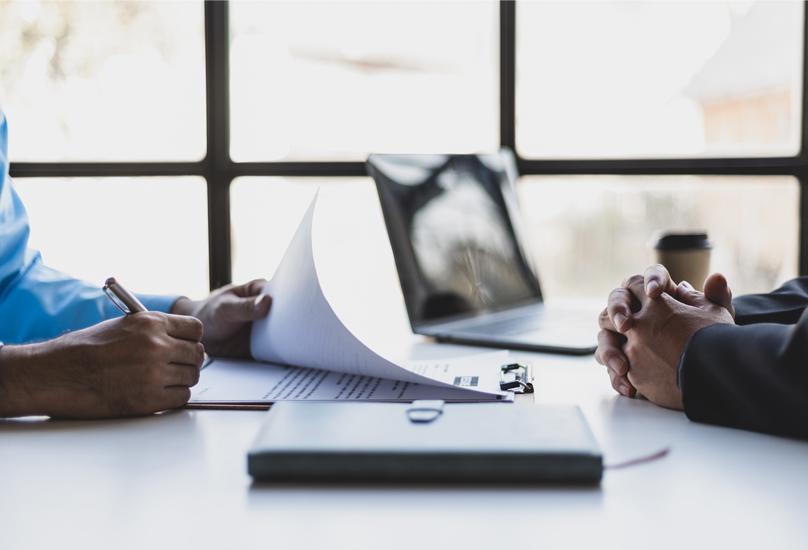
{"x": 686, "y": 256}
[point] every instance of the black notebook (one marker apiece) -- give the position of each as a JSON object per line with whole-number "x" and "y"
{"x": 425, "y": 441}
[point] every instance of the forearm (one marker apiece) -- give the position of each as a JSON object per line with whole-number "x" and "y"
{"x": 25, "y": 387}
{"x": 752, "y": 377}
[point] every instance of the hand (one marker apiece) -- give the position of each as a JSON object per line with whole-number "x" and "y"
{"x": 130, "y": 366}
{"x": 659, "y": 334}
{"x": 618, "y": 317}
{"x": 227, "y": 315}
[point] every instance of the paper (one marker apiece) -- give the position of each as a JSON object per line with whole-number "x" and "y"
{"x": 303, "y": 329}
{"x": 252, "y": 383}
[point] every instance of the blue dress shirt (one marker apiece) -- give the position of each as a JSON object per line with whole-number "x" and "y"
{"x": 37, "y": 302}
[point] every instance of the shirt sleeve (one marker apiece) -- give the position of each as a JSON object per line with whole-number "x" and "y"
{"x": 42, "y": 303}
{"x": 37, "y": 302}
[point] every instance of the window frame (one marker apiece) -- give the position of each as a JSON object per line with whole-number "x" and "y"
{"x": 219, "y": 170}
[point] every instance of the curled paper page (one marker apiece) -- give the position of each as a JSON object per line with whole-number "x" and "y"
{"x": 303, "y": 330}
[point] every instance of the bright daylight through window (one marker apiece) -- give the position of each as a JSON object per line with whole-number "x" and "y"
{"x": 659, "y": 79}
{"x": 594, "y": 81}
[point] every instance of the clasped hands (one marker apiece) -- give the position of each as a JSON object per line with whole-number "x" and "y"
{"x": 647, "y": 325}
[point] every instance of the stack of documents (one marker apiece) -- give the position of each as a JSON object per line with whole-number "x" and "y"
{"x": 305, "y": 352}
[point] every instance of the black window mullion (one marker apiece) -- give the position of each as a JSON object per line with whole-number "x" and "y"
{"x": 300, "y": 169}
{"x": 104, "y": 169}
{"x": 507, "y": 74}
{"x": 803, "y": 171}
{"x": 218, "y": 167}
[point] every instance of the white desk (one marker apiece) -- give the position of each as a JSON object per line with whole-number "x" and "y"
{"x": 179, "y": 481}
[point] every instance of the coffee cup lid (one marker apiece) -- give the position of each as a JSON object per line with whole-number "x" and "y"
{"x": 683, "y": 241}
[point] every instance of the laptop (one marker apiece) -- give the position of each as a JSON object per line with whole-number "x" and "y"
{"x": 453, "y": 224}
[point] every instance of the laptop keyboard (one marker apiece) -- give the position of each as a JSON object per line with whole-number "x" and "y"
{"x": 527, "y": 323}
{"x": 519, "y": 325}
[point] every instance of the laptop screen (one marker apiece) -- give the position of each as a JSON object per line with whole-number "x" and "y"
{"x": 451, "y": 223}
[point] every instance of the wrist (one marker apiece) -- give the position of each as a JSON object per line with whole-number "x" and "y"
{"x": 183, "y": 306}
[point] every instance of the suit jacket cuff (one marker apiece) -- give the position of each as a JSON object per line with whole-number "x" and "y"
{"x": 699, "y": 383}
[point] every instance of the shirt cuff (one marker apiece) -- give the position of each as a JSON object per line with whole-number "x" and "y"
{"x": 158, "y": 303}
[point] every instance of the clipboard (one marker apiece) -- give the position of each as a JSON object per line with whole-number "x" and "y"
{"x": 516, "y": 378}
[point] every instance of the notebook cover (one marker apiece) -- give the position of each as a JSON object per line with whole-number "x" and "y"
{"x": 487, "y": 442}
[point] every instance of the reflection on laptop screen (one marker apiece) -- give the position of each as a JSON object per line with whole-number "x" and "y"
{"x": 452, "y": 236}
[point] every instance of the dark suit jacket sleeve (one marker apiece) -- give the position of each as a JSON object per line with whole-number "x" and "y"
{"x": 753, "y": 377}
{"x": 785, "y": 305}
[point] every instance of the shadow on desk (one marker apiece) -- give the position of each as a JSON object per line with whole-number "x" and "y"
{"x": 139, "y": 446}
{"x": 259, "y": 488}
{"x": 422, "y": 500}
{"x": 46, "y": 424}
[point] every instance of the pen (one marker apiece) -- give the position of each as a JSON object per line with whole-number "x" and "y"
{"x": 122, "y": 298}
{"x": 129, "y": 304}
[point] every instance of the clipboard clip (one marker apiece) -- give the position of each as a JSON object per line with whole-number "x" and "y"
{"x": 424, "y": 411}
{"x": 516, "y": 377}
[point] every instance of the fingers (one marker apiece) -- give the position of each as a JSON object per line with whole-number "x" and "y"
{"x": 605, "y": 322}
{"x": 176, "y": 397}
{"x": 716, "y": 290}
{"x": 237, "y": 309}
{"x": 686, "y": 294}
{"x": 636, "y": 286}
{"x": 610, "y": 352}
{"x": 188, "y": 353}
{"x": 181, "y": 375}
{"x": 621, "y": 384}
{"x": 184, "y": 328}
{"x": 252, "y": 288}
{"x": 620, "y": 305}
{"x": 658, "y": 280}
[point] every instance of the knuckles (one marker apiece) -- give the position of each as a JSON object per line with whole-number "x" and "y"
{"x": 150, "y": 321}
{"x": 633, "y": 280}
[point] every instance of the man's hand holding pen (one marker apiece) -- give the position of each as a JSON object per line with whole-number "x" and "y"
{"x": 138, "y": 364}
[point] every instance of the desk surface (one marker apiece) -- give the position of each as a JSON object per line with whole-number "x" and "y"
{"x": 179, "y": 481}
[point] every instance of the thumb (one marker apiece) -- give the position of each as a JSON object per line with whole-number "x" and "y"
{"x": 246, "y": 309}
{"x": 686, "y": 294}
{"x": 716, "y": 289}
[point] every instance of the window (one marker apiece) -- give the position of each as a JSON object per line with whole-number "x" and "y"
{"x": 234, "y": 112}
{"x": 103, "y": 81}
{"x": 659, "y": 79}
{"x": 338, "y": 80}
{"x": 151, "y": 232}
{"x": 587, "y": 233}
